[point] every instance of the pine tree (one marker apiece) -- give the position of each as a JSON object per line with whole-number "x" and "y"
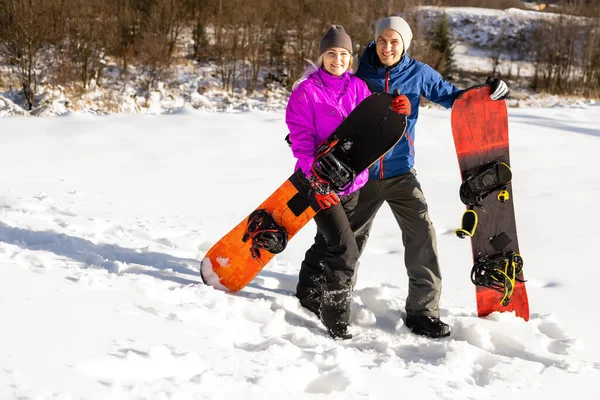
{"x": 443, "y": 43}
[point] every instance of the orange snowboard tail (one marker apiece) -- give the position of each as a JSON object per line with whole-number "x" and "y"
{"x": 229, "y": 264}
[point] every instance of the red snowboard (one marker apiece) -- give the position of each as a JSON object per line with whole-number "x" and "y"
{"x": 480, "y": 130}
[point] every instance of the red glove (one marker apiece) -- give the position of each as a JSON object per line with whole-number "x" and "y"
{"x": 401, "y": 105}
{"x": 323, "y": 193}
{"x": 327, "y": 200}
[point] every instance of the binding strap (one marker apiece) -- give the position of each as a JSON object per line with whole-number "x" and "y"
{"x": 498, "y": 272}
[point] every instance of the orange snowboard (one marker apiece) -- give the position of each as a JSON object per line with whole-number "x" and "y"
{"x": 363, "y": 137}
{"x": 232, "y": 258}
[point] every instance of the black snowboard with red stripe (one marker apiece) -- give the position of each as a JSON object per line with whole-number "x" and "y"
{"x": 480, "y": 130}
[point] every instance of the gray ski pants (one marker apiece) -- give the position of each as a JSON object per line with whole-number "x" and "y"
{"x": 404, "y": 195}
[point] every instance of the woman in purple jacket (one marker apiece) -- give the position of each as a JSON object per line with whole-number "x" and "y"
{"x": 319, "y": 102}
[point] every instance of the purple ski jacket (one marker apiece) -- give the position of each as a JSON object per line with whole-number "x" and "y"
{"x": 315, "y": 109}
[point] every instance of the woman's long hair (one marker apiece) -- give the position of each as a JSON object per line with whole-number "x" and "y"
{"x": 313, "y": 67}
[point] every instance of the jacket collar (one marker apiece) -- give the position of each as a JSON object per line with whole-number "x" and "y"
{"x": 336, "y": 85}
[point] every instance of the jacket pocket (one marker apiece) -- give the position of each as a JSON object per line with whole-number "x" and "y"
{"x": 327, "y": 119}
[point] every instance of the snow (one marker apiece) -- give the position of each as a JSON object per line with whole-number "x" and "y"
{"x": 104, "y": 218}
{"x": 103, "y": 221}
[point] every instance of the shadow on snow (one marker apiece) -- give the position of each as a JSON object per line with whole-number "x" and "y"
{"x": 107, "y": 256}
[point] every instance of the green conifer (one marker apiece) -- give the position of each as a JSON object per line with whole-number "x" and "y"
{"x": 443, "y": 43}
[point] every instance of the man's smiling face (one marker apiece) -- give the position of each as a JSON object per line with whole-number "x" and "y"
{"x": 389, "y": 47}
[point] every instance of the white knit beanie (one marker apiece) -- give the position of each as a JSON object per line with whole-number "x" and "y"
{"x": 399, "y": 25}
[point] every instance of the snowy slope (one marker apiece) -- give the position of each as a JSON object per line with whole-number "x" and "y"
{"x": 103, "y": 221}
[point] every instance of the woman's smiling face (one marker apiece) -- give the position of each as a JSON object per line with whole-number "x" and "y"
{"x": 336, "y": 60}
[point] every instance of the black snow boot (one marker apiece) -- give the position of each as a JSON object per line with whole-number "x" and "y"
{"x": 432, "y": 327}
{"x": 335, "y": 312}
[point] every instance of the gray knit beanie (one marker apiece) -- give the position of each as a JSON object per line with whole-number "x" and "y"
{"x": 399, "y": 25}
{"x": 336, "y": 36}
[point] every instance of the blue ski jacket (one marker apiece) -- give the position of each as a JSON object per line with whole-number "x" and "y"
{"x": 413, "y": 79}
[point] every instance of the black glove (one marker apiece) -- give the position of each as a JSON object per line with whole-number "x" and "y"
{"x": 500, "y": 90}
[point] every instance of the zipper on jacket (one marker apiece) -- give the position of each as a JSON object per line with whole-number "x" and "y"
{"x": 387, "y": 80}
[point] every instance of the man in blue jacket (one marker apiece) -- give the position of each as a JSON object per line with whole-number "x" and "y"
{"x": 385, "y": 66}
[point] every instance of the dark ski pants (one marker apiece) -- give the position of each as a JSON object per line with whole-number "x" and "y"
{"x": 328, "y": 265}
{"x": 404, "y": 196}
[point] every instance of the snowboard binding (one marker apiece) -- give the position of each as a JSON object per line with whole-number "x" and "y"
{"x": 498, "y": 272}
{"x": 265, "y": 234}
{"x": 483, "y": 182}
{"x": 330, "y": 168}
{"x": 476, "y": 187}
{"x": 468, "y": 226}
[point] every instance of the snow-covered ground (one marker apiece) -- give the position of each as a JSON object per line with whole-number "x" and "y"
{"x": 103, "y": 221}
